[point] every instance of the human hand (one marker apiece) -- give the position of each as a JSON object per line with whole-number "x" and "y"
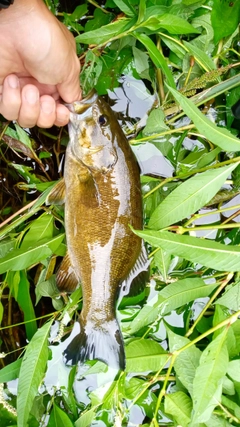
{"x": 39, "y": 66}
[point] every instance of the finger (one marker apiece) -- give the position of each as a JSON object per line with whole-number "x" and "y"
{"x": 47, "y": 114}
{"x": 62, "y": 115}
{"x": 10, "y": 102}
{"x": 30, "y": 106}
{"x": 69, "y": 89}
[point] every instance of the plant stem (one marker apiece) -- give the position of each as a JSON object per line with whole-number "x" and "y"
{"x": 216, "y": 293}
{"x": 198, "y": 216}
{"x": 182, "y": 230}
{"x": 157, "y": 135}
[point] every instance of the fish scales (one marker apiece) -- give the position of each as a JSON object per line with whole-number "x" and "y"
{"x": 102, "y": 198}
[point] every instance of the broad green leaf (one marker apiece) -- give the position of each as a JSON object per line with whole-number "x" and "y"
{"x": 232, "y": 406}
{"x": 148, "y": 314}
{"x": 172, "y": 23}
{"x": 6, "y": 246}
{"x": 182, "y": 292}
{"x": 141, "y": 11}
{"x": 155, "y": 122}
{"x": 205, "y": 252}
{"x": 209, "y": 377}
{"x": 145, "y": 355}
{"x": 156, "y": 56}
{"x": 40, "y": 228}
{"x": 61, "y": 419}
{"x": 187, "y": 360}
{"x": 10, "y": 372}
{"x": 126, "y": 7}
{"x": 19, "y": 259}
{"x": 141, "y": 62}
{"x": 202, "y": 58}
{"x": 189, "y": 197}
{"x": 31, "y": 373}
{"x": 162, "y": 260}
{"x": 106, "y": 33}
{"x": 25, "y": 302}
{"x": 225, "y": 18}
{"x": 86, "y": 418}
{"x": 216, "y": 421}
{"x": 231, "y": 298}
{"x": 218, "y": 136}
{"x": 179, "y": 406}
{"x": 234, "y": 370}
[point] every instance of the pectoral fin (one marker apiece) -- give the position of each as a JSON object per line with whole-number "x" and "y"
{"x": 57, "y": 195}
{"x": 66, "y": 277}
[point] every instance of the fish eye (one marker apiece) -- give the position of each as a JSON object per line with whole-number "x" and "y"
{"x": 102, "y": 120}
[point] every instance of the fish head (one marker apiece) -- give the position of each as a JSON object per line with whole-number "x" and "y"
{"x": 91, "y": 133}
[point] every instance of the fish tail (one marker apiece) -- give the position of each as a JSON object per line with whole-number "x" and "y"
{"x": 103, "y": 342}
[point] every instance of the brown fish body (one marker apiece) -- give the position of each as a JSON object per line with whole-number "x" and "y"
{"x": 103, "y": 197}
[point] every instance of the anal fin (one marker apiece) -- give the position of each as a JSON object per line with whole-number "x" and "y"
{"x": 66, "y": 278}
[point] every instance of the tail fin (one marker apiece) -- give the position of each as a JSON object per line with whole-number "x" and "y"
{"x": 103, "y": 342}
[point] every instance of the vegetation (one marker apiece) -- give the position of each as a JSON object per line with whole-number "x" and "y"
{"x": 182, "y": 332}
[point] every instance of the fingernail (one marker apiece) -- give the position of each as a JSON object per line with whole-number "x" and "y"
{"x": 13, "y": 82}
{"x": 32, "y": 96}
{"x": 46, "y": 107}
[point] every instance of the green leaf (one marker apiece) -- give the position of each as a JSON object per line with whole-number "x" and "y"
{"x": 189, "y": 197}
{"x": 141, "y": 62}
{"x": 231, "y": 298}
{"x": 162, "y": 260}
{"x": 155, "y": 122}
{"x": 86, "y": 418}
{"x": 179, "y": 406}
{"x": 182, "y": 292}
{"x": 10, "y": 372}
{"x": 225, "y": 18}
{"x": 60, "y": 417}
{"x": 40, "y": 228}
{"x": 172, "y": 23}
{"x": 209, "y": 377}
{"x": 106, "y": 33}
{"x": 187, "y": 360}
{"x": 31, "y": 373}
{"x": 218, "y": 136}
{"x": 156, "y": 56}
{"x": 19, "y": 259}
{"x": 24, "y": 300}
{"x": 145, "y": 355}
{"x": 6, "y": 246}
{"x": 234, "y": 370}
{"x": 202, "y": 58}
{"x": 205, "y": 252}
{"x": 126, "y": 7}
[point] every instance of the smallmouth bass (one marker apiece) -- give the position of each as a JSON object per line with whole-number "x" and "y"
{"x": 102, "y": 197}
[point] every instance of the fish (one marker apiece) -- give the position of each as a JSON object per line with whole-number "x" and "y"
{"x": 102, "y": 195}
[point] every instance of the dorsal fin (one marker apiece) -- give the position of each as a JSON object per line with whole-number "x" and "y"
{"x": 66, "y": 278}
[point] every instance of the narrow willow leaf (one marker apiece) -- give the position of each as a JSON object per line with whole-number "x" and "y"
{"x": 182, "y": 292}
{"x": 61, "y": 419}
{"x": 156, "y": 56}
{"x": 186, "y": 362}
{"x": 25, "y": 302}
{"x": 179, "y": 406}
{"x": 86, "y": 418}
{"x": 145, "y": 355}
{"x": 201, "y": 56}
{"x": 172, "y": 23}
{"x": 162, "y": 260}
{"x": 205, "y": 252}
{"x": 218, "y": 136}
{"x": 104, "y": 34}
{"x": 148, "y": 314}
{"x": 19, "y": 259}
{"x": 231, "y": 298}
{"x": 10, "y": 372}
{"x": 189, "y": 197}
{"x": 209, "y": 377}
{"x": 31, "y": 373}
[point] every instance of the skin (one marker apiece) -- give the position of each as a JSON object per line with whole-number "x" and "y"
{"x": 39, "y": 66}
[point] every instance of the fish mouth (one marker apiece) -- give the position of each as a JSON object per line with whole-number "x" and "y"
{"x": 80, "y": 107}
